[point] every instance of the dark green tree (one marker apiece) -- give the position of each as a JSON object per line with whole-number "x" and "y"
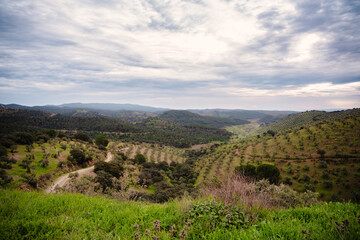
{"x": 78, "y": 156}
{"x": 321, "y": 153}
{"x": 140, "y": 159}
{"x": 101, "y": 141}
{"x": 268, "y": 171}
{"x": 83, "y": 136}
{"x": 247, "y": 170}
{"x": 105, "y": 180}
{"x": 3, "y": 151}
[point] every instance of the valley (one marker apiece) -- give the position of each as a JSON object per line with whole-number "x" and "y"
{"x": 178, "y": 160}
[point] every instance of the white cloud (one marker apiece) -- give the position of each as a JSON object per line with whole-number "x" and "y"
{"x": 67, "y": 44}
{"x": 315, "y": 90}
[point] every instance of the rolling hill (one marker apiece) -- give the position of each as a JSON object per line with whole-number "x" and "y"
{"x": 151, "y": 130}
{"x": 314, "y": 150}
{"x": 187, "y": 117}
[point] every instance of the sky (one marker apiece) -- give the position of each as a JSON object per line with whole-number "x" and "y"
{"x": 241, "y": 54}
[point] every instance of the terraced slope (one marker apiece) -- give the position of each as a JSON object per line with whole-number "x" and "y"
{"x": 322, "y": 155}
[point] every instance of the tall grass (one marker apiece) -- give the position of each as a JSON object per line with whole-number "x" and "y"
{"x": 238, "y": 189}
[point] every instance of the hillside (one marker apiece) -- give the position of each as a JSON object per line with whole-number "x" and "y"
{"x": 308, "y": 117}
{"x": 261, "y": 116}
{"x": 70, "y": 107}
{"x": 322, "y": 155}
{"x": 186, "y": 117}
{"x": 151, "y": 130}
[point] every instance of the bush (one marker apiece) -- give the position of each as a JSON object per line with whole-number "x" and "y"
{"x": 140, "y": 159}
{"x": 328, "y": 184}
{"x": 83, "y": 136}
{"x": 101, "y": 141}
{"x": 6, "y": 163}
{"x": 321, "y": 153}
{"x": 247, "y": 170}
{"x": 3, "y": 151}
{"x": 306, "y": 178}
{"x": 6, "y": 142}
{"x": 5, "y": 179}
{"x": 306, "y": 168}
{"x": 322, "y": 164}
{"x": 30, "y": 179}
{"x": 24, "y": 138}
{"x": 184, "y": 171}
{"x": 267, "y": 171}
{"x": 78, "y": 156}
{"x": 288, "y": 181}
{"x": 111, "y": 168}
{"x": 105, "y": 180}
{"x": 164, "y": 192}
{"x": 212, "y": 215}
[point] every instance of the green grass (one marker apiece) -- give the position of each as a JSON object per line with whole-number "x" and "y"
{"x": 35, "y": 215}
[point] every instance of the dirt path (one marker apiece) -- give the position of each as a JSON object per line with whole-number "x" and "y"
{"x": 61, "y": 181}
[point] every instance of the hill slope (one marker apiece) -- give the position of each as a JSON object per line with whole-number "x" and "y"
{"x": 151, "y": 130}
{"x": 323, "y": 155}
{"x": 186, "y": 117}
{"x": 262, "y": 116}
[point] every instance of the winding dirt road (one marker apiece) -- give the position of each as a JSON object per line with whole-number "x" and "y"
{"x": 61, "y": 181}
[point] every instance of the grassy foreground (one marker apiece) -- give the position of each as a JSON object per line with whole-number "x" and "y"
{"x": 34, "y": 215}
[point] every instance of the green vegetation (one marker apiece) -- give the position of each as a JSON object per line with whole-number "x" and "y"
{"x": 186, "y": 117}
{"x": 101, "y": 141}
{"x": 322, "y": 154}
{"x": 283, "y": 171}
{"x": 151, "y": 130}
{"x": 35, "y": 215}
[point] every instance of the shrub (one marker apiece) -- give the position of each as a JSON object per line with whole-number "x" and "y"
{"x": 164, "y": 192}
{"x": 247, "y": 170}
{"x": 44, "y": 162}
{"x": 184, "y": 171}
{"x": 306, "y": 168}
{"x": 328, "y": 184}
{"x": 104, "y": 179}
{"x": 6, "y": 142}
{"x": 111, "y": 168}
{"x": 306, "y": 178}
{"x": 78, "y": 156}
{"x": 24, "y": 138}
{"x": 5, "y": 179}
{"x": 101, "y": 141}
{"x": 6, "y": 163}
{"x": 3, "y": 151}
{"x": 211, "y": 215}
{"x": 321, "y": 153}
{"x": 140, "y": 159}
{"x": 288, "y": 181}
{"x": 83, "y": 136}
{"x": 322, "y": 164}
{"x": 267, "y": 171}
{"x": 30, "y": 179}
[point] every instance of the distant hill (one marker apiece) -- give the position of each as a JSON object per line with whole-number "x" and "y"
{"x": 263, "y": 116}
{"x": 150, "y": 130}
{"x": 126, "y": 112}
{"x": 112, "y": 107}
{"x": 136, "y": 113}
{"x": 186, "y": 117}
{"x": 308, "y": 117}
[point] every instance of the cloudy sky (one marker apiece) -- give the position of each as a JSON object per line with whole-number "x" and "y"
{"x": 246, "y": 54}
